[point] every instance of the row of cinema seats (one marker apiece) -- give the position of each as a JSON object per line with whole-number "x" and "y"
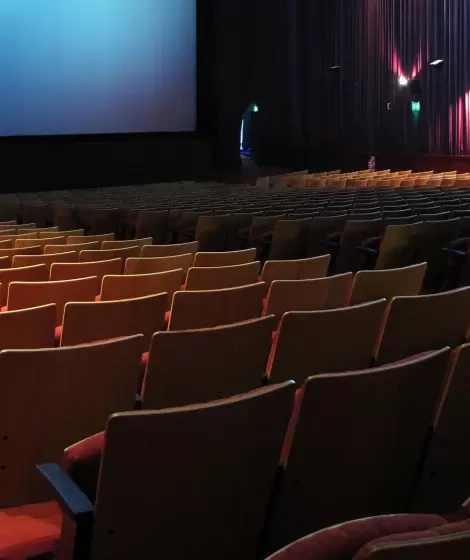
{"x": 184, "y": 368}
{"x": 206, "y": 478}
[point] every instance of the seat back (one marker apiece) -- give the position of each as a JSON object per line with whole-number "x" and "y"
{"x": 47, "y": 260}
{"x": 152, "y": 223}
{"x": 92, "y": 321}
{"x": 321, "y": 228}
{"x": 337, "y": 340}
{"x": 422, "y": 323}
{"x": 22, "y": 295}
{"x": 339, "y": 289}
{"x": 219, "y": 278}
{"x": 290, "y": 239}
{"x": 370, "y": 285}
{"x": 232, "y": 464}
{"x": 130, "y": 286}
{"x": 107, "y": 245}
{"x": 28, "y": 328}
{"x": 78, "y": 388}
{"x": 101, "y": 255}
{"x": 228, "y": 258}
{"x": 212, "y": 308}
{"x": 211, "y": 232}
{"x": 170, "y": 250}
{"x": 196, "y": 366}
{"x": 71, "y": 271}
{"x": 77, "y": 239}
{"x": 148, "y": 265}
{"x": 444, "y": 478}
{"x": 64, "y": 233}
{"x": 10, "y": 253}
{"x": 301, "y": 269}
{"x": 20, "y": 243}
{"x": 260, "y": 226}
{"x": 296, "y": 295}
{"x": 51, "y": 248}
{"x": 349, "y": 259}
{"x": 398, "y": 246}
{"x": 354, "y": 444}
{"x": 36, "y": 273}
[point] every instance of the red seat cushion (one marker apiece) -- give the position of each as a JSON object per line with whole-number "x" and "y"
{"x": 97, "y": 298}
{"x": 343, "y": 541}
{"x": 58, "y": 335}
{"x": 424, "y": 533}
{"x": 82, "y": 462}
{"x": 4, "y": 308}
{"x": 29, "y": 531}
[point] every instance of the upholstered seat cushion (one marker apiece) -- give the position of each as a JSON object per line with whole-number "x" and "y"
{"x": 82, "y": 462}
{"x": 342, "y": 542}
{"x": 437, "y": 531}
{"x": 29, "y": 531}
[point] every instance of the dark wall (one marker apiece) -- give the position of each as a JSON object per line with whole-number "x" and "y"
{"x": 278, "y": 54}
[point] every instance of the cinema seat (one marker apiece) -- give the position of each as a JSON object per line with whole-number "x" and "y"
{"x": 321, "y": 229}
{"x": 422, "y": 323}
{"x": 232, "y": 465}
{"x": 385, "y": 537}
{"x": 211, "y": 232}
{"x": 197, "y": 366}
{"x": 152, "y": 223}
{"x": 71, "y": 271}
{"x": 21, "y": 243}
{"x": 228, "y": 258}
{"x": 126, "y": 244}
{"x": 148, "y": 265}
{"x": 28, "y": 328}
{"x": 61, "y": 233}
{"x": 290, "y": 239}
{"x": 48, "y": 260}
{"x": 316, "y": 342}
{"x": 354, "y": 445}
{"x": 170, "y": 250}
{"x": 219, "y": 278}
{"x": 51, "y": 248}
{"x": 35, "y": 273}
{"x": 213, "y": 308}
{"x": 90, "y": 255}
{"x": 22, "y": 295}
{"x": 444, "y": 478}
{"x": 296, "y": 295}
{"x": 67, "y": 394}
{"x": 300, "y": 269}
{"x": 76, "y": 239}
{"x": 93, "y": 321}
{"x": 129, "y": 286}
{"x": 370, "y": 285}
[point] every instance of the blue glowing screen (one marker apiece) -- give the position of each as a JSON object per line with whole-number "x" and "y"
{"x": 97, "y": 66}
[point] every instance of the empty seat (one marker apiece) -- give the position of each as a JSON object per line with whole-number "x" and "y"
{"x": 20, "y": 243}
{"x": 92, "y": 321}
{"x": 321, "y": 229}
{"x": 356, "y": 231}
{"x": 35, "y": 273}
{"x": 370, "y": 285}
{"x": 4, "y": 236}
{"x": 211, "y": 232}
{"x": 444, "y": 477}
{"x": 76, "y": 239}
{"x": 102, "y": 255}
{"x": 148, "y": 265}
{"x": 48, "y": 260}
{"x": 67, "y": 394}
{"x": 170, "y": 250}
{"x": 152, "y": 223}
{"x": 62, "y": 233}
{"x": 22, "y": 295}
{"x": 125, "y": 244}
{"x": 28, "y": 328}
{"x": 290, "y": 239}
{"x": 195, "y": 366}
{"x": 301, "y": 269}
{"x": 354, "y": 445}
{"x": 296, "y": 295}
{"x": 315, "y": 342}
{"x": 339, "y": 290}
{"x": 129, "y": 286}
{"x": 212, "y": 308}
{"x": 421, "y": 323}
{"x": 232, "y": 465}
{"x": 219, "y": 278}
{"x": 71, "y": 271}
{"x": 51, "y": 248}
{"x": 229, "y": 258}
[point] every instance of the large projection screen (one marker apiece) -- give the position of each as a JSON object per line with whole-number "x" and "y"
{"x": 97, "y": 66}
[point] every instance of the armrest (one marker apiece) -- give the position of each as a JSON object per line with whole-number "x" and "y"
{"x": 460, "y": 244}
{"x": 70, "y": 497}
{"x": 367, "y": 250}
{"x": 454, "y": 252}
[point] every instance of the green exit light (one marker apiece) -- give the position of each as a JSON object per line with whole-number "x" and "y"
{"x": 415, "y": 106}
